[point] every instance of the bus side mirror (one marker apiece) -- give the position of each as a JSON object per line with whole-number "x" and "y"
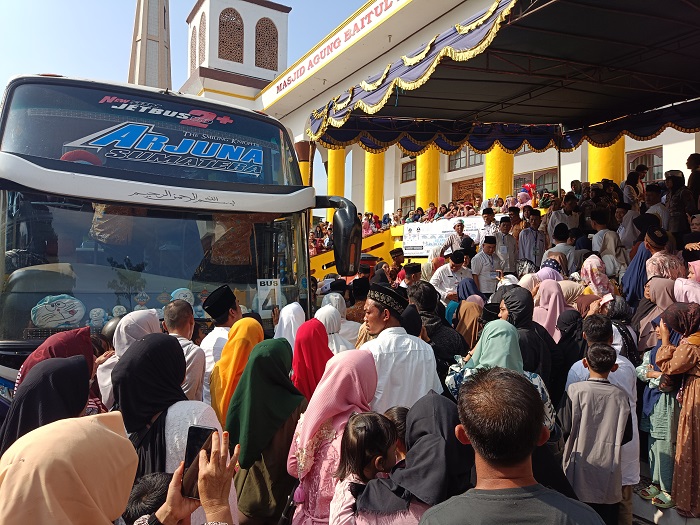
{"x": 347, "y": 234}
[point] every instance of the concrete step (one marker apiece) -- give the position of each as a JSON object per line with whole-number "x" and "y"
{"x": 646, "y": 511}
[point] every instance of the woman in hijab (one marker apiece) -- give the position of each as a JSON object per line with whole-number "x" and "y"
{"x": 584, "y": 303}
{"x": 77, "y": 470}
{"x": 561, "y": 259}
{"x": 347, "y": 386}
{"x": 468, "y": 317}
{"x": 291, "y": 318}
{"x": 594, "y": 277}
{"x": 694, "y": 271}
{"x": 348, "y": 329}
{"x": 660, "y": 292}
{"x": 499, "y": 346}
{"x": 572, "y": 291}
{"x": 625, "y": 339}
{"x": 551, "y": 270}
{"x": 263, "y": 414}
{"x": 572, "y": 345}
{"x": 684, "y": 318}
{"x": 331, "y": 320}
{"x": 311, "y": 353}
{"x": 133, "y": 327}
{"x": 53, "y": 389}
{"x": 551, "y": 306}
{"x": 530, "y": 282}
{"x": 437, "y": 466}
{"x": 636, "y": 275}
{"x": 687, "y": 291}
{"x": 242, "y": 337}
{"x": 524, "y": 267}
{"x": 157, "y": 414}
{"x": 68, "y": 344}
{"x": 539, "y": 351}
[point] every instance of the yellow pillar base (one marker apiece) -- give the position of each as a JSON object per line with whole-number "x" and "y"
{"x": 498, "y": 173}
{"x": 303, "y": 149}
{"x": 607, "y": 163}
{"x": 374, "y": 183}
{"x": 336, "y": 176}
{"x": 428, "y": 178}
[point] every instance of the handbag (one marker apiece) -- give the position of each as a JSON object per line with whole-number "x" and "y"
{"x": 290, "y": 507}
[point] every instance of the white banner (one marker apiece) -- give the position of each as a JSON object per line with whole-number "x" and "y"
{"x": 419, "y": 238}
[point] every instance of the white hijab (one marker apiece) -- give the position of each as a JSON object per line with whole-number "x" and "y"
{"x": 133, "y": 327}
{"x": 291, "y": 318}
{"x": 348, "y": 329}
{"x": 330, "y": 317}
{"x": 630, "y": 231}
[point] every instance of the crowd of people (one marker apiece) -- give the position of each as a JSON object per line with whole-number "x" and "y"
{"x": 511, "y": 378}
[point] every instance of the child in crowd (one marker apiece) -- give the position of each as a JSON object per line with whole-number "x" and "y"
{"x": 397, "y": 415}
{"x": 596, "y": 420}
{"x": 368, "y": 447}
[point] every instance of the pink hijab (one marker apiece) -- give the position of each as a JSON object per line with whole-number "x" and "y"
{"x": 348, "y": 385}
{"x": 593, "y": 274}
{"x": 695, "y": 265}
{"x": 549, "y": 274}
{"x": 551, "y": 307}
{"x": 529, "y": 281}
{"x": 687, "y": 290}
{"x": 476, "y": 300}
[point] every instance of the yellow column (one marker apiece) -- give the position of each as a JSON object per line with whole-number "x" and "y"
{"x": 374, "y": 183}
{"x": 336, "y": 176}
{"x": 498, "y": 173}
{"x": 607, "y": 163}
{"x": 303, "y": 153}
{"x": 428, "y": 178}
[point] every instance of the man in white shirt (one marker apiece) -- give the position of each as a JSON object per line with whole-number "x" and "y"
{"x": 222, "y": 306}
{"x": 564, "y": 243}
{"x": 506, "y": 247}
{"x": 448, "y": 276}
{"x": 654, "y": 206}
{"x": 178, "y": 321}
{"x": 406, "y": 367}
{"x": 598, "y": 329}
{"x": 566, "y": 215}
{"x": 532, "y": 242}
{"x": 486, "y": 267}
{"x": 490, "y": 227}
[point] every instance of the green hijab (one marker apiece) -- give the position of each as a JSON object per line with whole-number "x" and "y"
{"x": 263, "y": 400}
{"x": 498, "y": 346}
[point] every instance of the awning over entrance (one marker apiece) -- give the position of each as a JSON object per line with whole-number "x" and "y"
{"x": 551, "y": 73}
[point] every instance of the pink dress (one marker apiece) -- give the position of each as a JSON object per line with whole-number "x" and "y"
{"x": 319, "y": 483}
{"x": 343, "y": 503}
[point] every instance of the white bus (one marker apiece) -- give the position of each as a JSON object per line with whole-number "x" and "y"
{"x": 115, "y": 198}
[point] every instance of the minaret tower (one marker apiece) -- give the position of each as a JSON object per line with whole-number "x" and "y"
{"x": 150, "y": 48}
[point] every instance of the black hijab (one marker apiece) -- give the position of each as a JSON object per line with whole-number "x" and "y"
{"x": 411, "y": 321}
{"x": 53, "y": 389}
{"x": 146, "y": 383}
{"x": 572, "y": 344}
{"x": 437, "y": 465}
{"x": 539, "y": 351}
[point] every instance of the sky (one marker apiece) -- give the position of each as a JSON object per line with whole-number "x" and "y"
{"x": 92, "y": 39}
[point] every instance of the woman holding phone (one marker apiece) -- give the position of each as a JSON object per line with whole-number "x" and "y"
{"x": 156, "y": 412}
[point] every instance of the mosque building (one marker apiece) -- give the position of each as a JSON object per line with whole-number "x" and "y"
{"x": 238, "y": 55}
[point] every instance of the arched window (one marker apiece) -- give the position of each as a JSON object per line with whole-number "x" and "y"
{"x": 231, "y": 35}
{"x": 202, "y": 38}
{"x": 266, "y": 44}
{"x": 193, "y": 50}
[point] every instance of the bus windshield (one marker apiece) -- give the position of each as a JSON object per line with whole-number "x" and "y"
{"x": 71, "y": 262}
{"x": 164, "y": 136}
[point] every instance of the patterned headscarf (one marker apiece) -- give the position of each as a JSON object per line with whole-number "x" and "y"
{"x": 684, "y": 318}
{"x": 525, "y": 266}
{"x": 593, "y": 274}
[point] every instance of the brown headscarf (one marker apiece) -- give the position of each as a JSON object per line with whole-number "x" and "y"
{"x": 584, "y": 302}
{"x": 468, "y": 322}
{"x": 684, "y": 318}
{"x": 661, "y": 294}
{"x": 563, "y": 262}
